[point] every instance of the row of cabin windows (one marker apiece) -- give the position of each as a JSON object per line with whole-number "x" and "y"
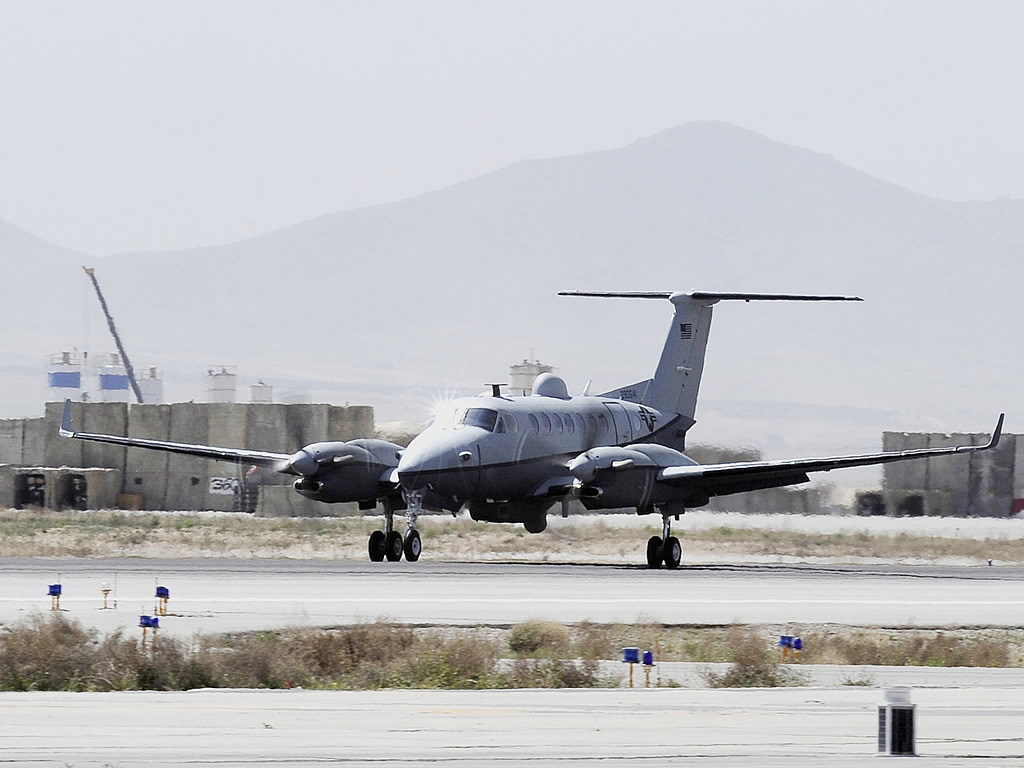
{"x": 539, "y": 423}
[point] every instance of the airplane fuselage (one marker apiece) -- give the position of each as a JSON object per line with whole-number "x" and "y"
{"x": 515, "y": 448}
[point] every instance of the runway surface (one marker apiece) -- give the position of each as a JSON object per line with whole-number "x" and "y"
{"x": 235, "y": 595}
{"x": 774, "y": 727}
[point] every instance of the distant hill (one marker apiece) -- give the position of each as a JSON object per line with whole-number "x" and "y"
{"x": 397, "y": 304}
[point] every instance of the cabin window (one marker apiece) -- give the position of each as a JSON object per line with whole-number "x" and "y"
{"x": 570, "y": 426}
{"x": 485, "y": 418}
{"x": 556, "y": 423}
{"x": 545, "y": 423}
{"x": 510, "y": 423}
{"x": 581, "y": 425}
{"x": 602, "y": 423}
{"x": 592, "y": 424}
{"x": 534, "y": 424}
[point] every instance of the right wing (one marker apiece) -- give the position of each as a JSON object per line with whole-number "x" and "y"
{"x": 275, "y": 461}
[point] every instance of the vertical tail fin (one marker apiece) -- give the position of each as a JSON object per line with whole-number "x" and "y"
{"x": 677, "y": 378}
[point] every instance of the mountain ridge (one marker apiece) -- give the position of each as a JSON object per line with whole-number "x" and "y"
{"x": 444, "y": 289}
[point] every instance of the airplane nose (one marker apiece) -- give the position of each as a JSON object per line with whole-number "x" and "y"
{"x": 415, "y": 469}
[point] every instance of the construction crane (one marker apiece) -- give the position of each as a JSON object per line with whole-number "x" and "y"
{"x": 113, "y": 332}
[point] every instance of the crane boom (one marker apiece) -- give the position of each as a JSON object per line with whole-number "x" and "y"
{"x": 113, "y": 332}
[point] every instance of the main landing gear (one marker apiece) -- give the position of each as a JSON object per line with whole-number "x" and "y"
{"x": 389, "y": 544}
{"x": 665, "y": 548}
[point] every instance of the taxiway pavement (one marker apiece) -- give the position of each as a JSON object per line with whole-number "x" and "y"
{"x": 541, "y": 728}
{"x": 237, "y": 595}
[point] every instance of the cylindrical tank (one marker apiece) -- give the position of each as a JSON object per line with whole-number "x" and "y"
{"x": 521, "y": 376}
{"x": 220, "y": 384}
{"x": 151, "y": 384}
{"x": 261, "y": 393}
{"x": 64, "y": 377}
{"x": 113, "y": 379}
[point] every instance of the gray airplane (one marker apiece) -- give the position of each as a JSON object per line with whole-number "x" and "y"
{"x": 511, "y": 459}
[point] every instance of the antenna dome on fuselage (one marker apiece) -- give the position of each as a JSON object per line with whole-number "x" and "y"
{"x": 549, "y": 385}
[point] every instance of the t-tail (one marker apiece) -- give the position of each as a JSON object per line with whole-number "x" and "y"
{"x": 676, "y": 380}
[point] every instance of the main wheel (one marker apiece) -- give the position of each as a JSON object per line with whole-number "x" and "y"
{"x": 393, "y": 547}
{"x": 413, "y": 546}
{"x": 673, "y": 552}
{"x": 654, "y": 552}
{"x": 376, "y": 546}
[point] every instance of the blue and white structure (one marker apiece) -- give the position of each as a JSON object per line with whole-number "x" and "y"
{"x": 64, "y": 377}
{"x": 114, "y": 386}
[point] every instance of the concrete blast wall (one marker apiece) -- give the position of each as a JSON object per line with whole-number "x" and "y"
{"x": 160, "y": 480}
{"x": 985, "y": 484}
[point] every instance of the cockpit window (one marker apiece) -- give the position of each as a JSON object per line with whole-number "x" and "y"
{"x": 484, "y": 418}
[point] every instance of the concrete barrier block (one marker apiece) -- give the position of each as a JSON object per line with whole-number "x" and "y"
{"x": 33, "y": 447}
{"x": 107, "y": 419}
{"x": 12, "y": 436}
{"x": 305, "y": 424}
{"x": 146, "y": 471}
{"x": 187, "y": 476}
{"x": 59, "y": 451}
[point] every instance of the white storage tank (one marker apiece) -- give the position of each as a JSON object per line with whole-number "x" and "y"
{"x": 64, "y": 377}
{"x": 521, "y": 376}
{"x": 220, "y": 384}
{"x": 261, "y": 393}
{"x": 114, "y": 386}
{"x": 151, "y": 384}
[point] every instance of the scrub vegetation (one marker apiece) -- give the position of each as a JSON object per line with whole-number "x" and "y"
{"x": 55, "y": 653}
{"x": 51, "y": 652}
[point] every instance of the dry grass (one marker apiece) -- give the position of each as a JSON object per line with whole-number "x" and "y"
{"x": 117, "y": 534}
{"x": 755, "y": 664}
{"x": 55, "y": 653}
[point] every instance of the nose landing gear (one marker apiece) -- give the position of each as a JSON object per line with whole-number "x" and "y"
{"x": 665, "y": 548}
{"x": 389, "y": 544}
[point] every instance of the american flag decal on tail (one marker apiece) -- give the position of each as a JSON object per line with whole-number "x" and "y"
{"x": 686, "y": 331}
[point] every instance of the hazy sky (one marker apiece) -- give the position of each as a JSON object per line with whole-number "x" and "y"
{"x": 127, "y": 125}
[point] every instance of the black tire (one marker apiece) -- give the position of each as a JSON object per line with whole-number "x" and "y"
{"x": 376, "y": 546}
{"x": 654, "y": 552}
{"x": 393, "y": 547}
{"x": 413, "y": 546}
{"x": 673, "y": 552}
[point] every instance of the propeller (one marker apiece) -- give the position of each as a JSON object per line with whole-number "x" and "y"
{"x": 307, "y": 461}
{"x": 586, "y": 466}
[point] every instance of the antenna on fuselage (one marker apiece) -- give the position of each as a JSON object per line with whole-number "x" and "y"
{"x": 496, "y": 389}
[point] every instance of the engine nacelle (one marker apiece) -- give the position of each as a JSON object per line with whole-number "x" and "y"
{"x": 612, "y": 477}
{"x": 533, "y": 514}
{"x": 335, "y": 472}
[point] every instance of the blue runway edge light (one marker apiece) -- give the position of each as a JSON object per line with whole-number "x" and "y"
{"x": 163, "y": 592}
{"x": 631, "y": 655}
{"x": 54, "y": 590}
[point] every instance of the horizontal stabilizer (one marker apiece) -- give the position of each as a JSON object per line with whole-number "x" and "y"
{"x": 709, "y": 296}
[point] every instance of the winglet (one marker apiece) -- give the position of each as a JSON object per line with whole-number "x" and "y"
{"x": 997, "y": 433}
{"x": 65, "y": 421}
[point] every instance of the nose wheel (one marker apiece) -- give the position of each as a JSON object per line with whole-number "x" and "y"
{"x": 665, "y": 548}
{"x": 389, "y": 544}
